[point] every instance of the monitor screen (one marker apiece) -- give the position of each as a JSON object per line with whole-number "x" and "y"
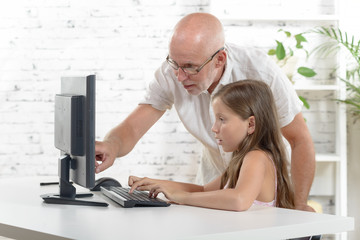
{"x": 75, "y": 138}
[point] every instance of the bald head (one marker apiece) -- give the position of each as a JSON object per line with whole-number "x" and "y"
{"x": 198, "y": 32}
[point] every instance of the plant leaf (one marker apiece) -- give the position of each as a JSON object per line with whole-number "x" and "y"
{"x": 306, "y": 72}
{"x": 280, "y": 51}
{"x": 298, "y": 45}
{"x": 305, "y": 102}
{"x": 299, "y": 39}
{"x": 291, "y": 52}
{"x": 272, "y": 52}
{"x": 351, "y": 87}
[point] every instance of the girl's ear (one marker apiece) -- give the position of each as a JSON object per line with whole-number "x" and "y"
{"x": 251, "y": 128}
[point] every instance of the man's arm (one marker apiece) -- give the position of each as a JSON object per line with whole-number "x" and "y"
{"x": 302, "y": 160}
{"x": 122, "y": 139}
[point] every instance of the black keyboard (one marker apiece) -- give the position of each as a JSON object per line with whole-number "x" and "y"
{"x": 122, "y": 196}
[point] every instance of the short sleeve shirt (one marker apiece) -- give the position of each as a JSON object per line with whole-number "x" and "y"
{"x": 195, "y": 112}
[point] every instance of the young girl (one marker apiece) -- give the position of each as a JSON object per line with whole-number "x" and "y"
{"x": 246, "y": 124}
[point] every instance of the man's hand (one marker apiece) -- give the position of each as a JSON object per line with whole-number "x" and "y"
{"x": 105, "y": 154}
{"x": 304, "y": 207}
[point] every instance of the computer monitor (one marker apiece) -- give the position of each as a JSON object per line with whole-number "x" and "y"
{"x": 75, "y": 138}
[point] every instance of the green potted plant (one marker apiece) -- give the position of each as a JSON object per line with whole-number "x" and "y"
{"x": 284, "y": 54}
{"x": 337, "y": 40}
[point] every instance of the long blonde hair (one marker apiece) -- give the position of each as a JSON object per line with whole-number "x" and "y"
{"x": 254, "y": 98}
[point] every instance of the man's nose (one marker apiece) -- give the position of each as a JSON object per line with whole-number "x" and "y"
{"x": 181, "y": 75}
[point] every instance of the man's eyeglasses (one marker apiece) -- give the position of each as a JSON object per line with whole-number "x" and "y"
{"x": 191, "y": 70}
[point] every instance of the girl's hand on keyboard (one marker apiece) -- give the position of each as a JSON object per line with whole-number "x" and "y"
{"x": 172, "y": 193}
{"x": 155, "y": 186}
{"x": 141, "y": 184}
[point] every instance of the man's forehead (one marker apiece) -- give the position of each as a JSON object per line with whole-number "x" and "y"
{"x": 183, "y": 56}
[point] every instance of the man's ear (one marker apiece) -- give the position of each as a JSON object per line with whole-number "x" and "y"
{"x": 252, "y": 124}
{"x": 221, "y": 58}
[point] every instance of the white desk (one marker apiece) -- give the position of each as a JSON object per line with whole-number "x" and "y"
{"x": 24, "y": 215}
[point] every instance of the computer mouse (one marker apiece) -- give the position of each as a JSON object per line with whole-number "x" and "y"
{"x": 105, "y": 181}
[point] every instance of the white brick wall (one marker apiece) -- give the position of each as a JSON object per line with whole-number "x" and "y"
{"x": 122, "y": 42}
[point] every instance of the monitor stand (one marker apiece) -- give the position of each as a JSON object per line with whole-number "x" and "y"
{"x": 67, "y": 190}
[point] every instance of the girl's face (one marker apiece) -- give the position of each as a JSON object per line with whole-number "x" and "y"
{"x": 229, "y": 128}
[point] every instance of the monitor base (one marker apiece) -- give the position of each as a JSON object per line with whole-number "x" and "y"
{"x": 57, "y": 199}
{"x": 67, "y": 192}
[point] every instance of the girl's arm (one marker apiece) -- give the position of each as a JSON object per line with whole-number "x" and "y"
{"x": 146, "y": 184}
{"x": 248, "y": 187}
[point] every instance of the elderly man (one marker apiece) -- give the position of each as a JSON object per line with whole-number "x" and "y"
{"x": 199, "y": 64}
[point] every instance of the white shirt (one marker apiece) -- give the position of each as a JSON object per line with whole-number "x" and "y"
{"x": 195, "y": 112}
